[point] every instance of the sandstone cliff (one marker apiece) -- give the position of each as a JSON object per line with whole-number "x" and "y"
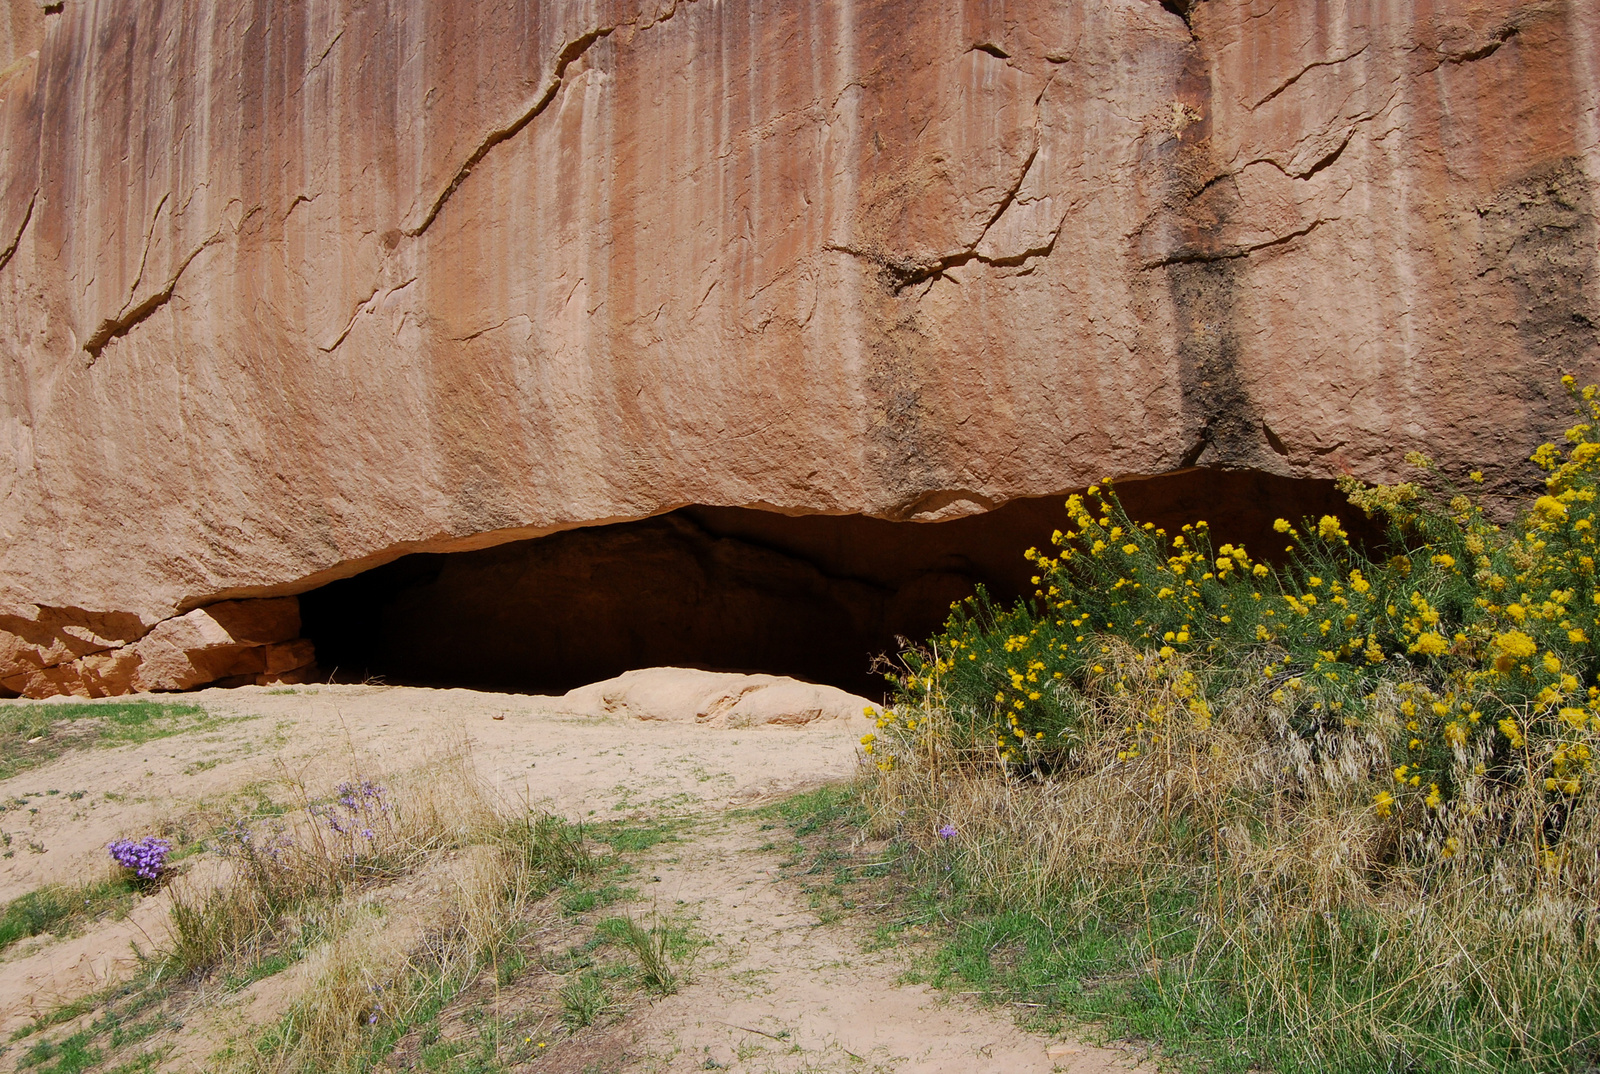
{"x": 288, "y": 290}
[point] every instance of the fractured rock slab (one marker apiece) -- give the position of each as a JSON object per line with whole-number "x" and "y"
{"x": 245, "y": 640}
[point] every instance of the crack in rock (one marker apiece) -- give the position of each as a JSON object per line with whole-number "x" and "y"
{"x": 1192, "y": 257}
{"x": 1508, "y": 29}
{"x": 902, "y": 273}
{"x": 124, "y": 322}
{"x": 1500, "y": 37}
{"x": 369, "y": 304}
{"x": 144, "y": 254}
{"x": 1184, "y": 9}
{"x": 350, "y": 324}
{"x": 1307, "y": 69}
{"x": 323, "y": 56}
{"x": 1322, "y": 162}
{"x": 16, "y": 241}
{"x": 1327, "y": 160}
{"x": 570, "y": 53}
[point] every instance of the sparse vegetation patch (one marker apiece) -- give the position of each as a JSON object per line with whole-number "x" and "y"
{"x": 415, "y": 922}
{"x": 31, "y": 734}
{"x": 60, "y": 907}
{"x": 1338, "y": 814}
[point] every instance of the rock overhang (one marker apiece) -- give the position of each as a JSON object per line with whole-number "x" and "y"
{"x": 429, "y": 276}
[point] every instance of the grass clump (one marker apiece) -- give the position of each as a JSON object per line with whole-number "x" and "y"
{"x": 33, "y": 733}
{"x": 657, "y": 947}
{"x": 584, "y": 999}
{"x": 60, "y": 907}
{"x": 1338, "y": 814}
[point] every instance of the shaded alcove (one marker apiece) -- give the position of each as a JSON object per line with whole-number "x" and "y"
{"x": 726, "y": 588}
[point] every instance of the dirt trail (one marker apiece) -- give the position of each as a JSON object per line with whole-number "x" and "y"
{"x": 781, "y": 991}
{"x": 777, "y": 990}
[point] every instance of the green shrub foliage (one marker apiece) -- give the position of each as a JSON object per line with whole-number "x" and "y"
{"x": 1467, "y": 649}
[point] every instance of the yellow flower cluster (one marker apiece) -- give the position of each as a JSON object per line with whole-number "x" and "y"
{"x": 1468, "y": 652}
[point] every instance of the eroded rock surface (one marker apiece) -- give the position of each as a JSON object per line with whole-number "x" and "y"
{"x": 235, "y": 641}
{"x": 715, "y": 699}
{"x": 289, "y": 290}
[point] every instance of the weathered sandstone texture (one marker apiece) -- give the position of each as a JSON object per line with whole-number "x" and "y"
{"x": 685, "y": 695}
{"x": 244, "y": 641}
{"x": 288, "y": 290}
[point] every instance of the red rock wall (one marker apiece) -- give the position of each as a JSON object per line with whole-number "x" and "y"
{"x": 289, "y": 289}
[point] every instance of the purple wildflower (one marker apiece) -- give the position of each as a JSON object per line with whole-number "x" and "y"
{"x": 948, "y": 831}
{"x": 355, "y": 806}
{"x": 146, "y": 857}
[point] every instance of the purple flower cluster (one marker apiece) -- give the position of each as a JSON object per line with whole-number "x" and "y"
{"x": 243, "y": 840}
{"x": 145, "y": 857}
{"x": 947, "y": 832}
{"x": 358, "y": 808}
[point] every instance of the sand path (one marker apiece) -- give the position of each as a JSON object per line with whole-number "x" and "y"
{"x": 777, "y": 990}
{"x": 780, "y": 991}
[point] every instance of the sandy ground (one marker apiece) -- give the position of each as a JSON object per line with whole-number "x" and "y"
{"x": 569, "y": 762}
{"x": 778, "y": 991}
{"x": 786, "y": 993}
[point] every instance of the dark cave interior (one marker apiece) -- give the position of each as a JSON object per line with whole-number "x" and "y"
{"x": 817, "y": 597}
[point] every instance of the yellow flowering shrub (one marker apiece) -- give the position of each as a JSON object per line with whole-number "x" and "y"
{"x": 1465, "y": 648}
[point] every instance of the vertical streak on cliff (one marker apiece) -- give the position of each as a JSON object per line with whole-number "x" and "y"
{"x": 1584, "y": 33}
{"x": 1221, "y": 426}
{"x": 841, "y": 184}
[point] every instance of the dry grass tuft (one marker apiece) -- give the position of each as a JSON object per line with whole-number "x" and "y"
{"x": 366, "y": 831}
{"x": 1248, "y": 871}
{"x": 391, "y": 892}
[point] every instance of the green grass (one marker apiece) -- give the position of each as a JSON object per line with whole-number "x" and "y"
{"x": 71, "y": 1055}
{"x": 32, "y": 734}
{"x": 584, "y": 999}
{"x": 262, "y": 968}
{"x": 814, "y": 811}
{"x": 53, "y": 909}
{"x": 1146, "y": 965}
{"x": 630, "y": 838}
{"x": 1348, "y": 992}
{"x": 823, "y": 824}
{"x": 498, "y": 1046}
{"x": 118, "y": 1004}
{"x": 659, "y": 949}
{"x": 144, "y": 1064}
{"x": 119, "y": 1024}
{"x": 581, "y": 900}
{"x": 1145, "y": 976}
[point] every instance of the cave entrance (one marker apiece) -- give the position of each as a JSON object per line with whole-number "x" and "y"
{"x": 816, "y": 597}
